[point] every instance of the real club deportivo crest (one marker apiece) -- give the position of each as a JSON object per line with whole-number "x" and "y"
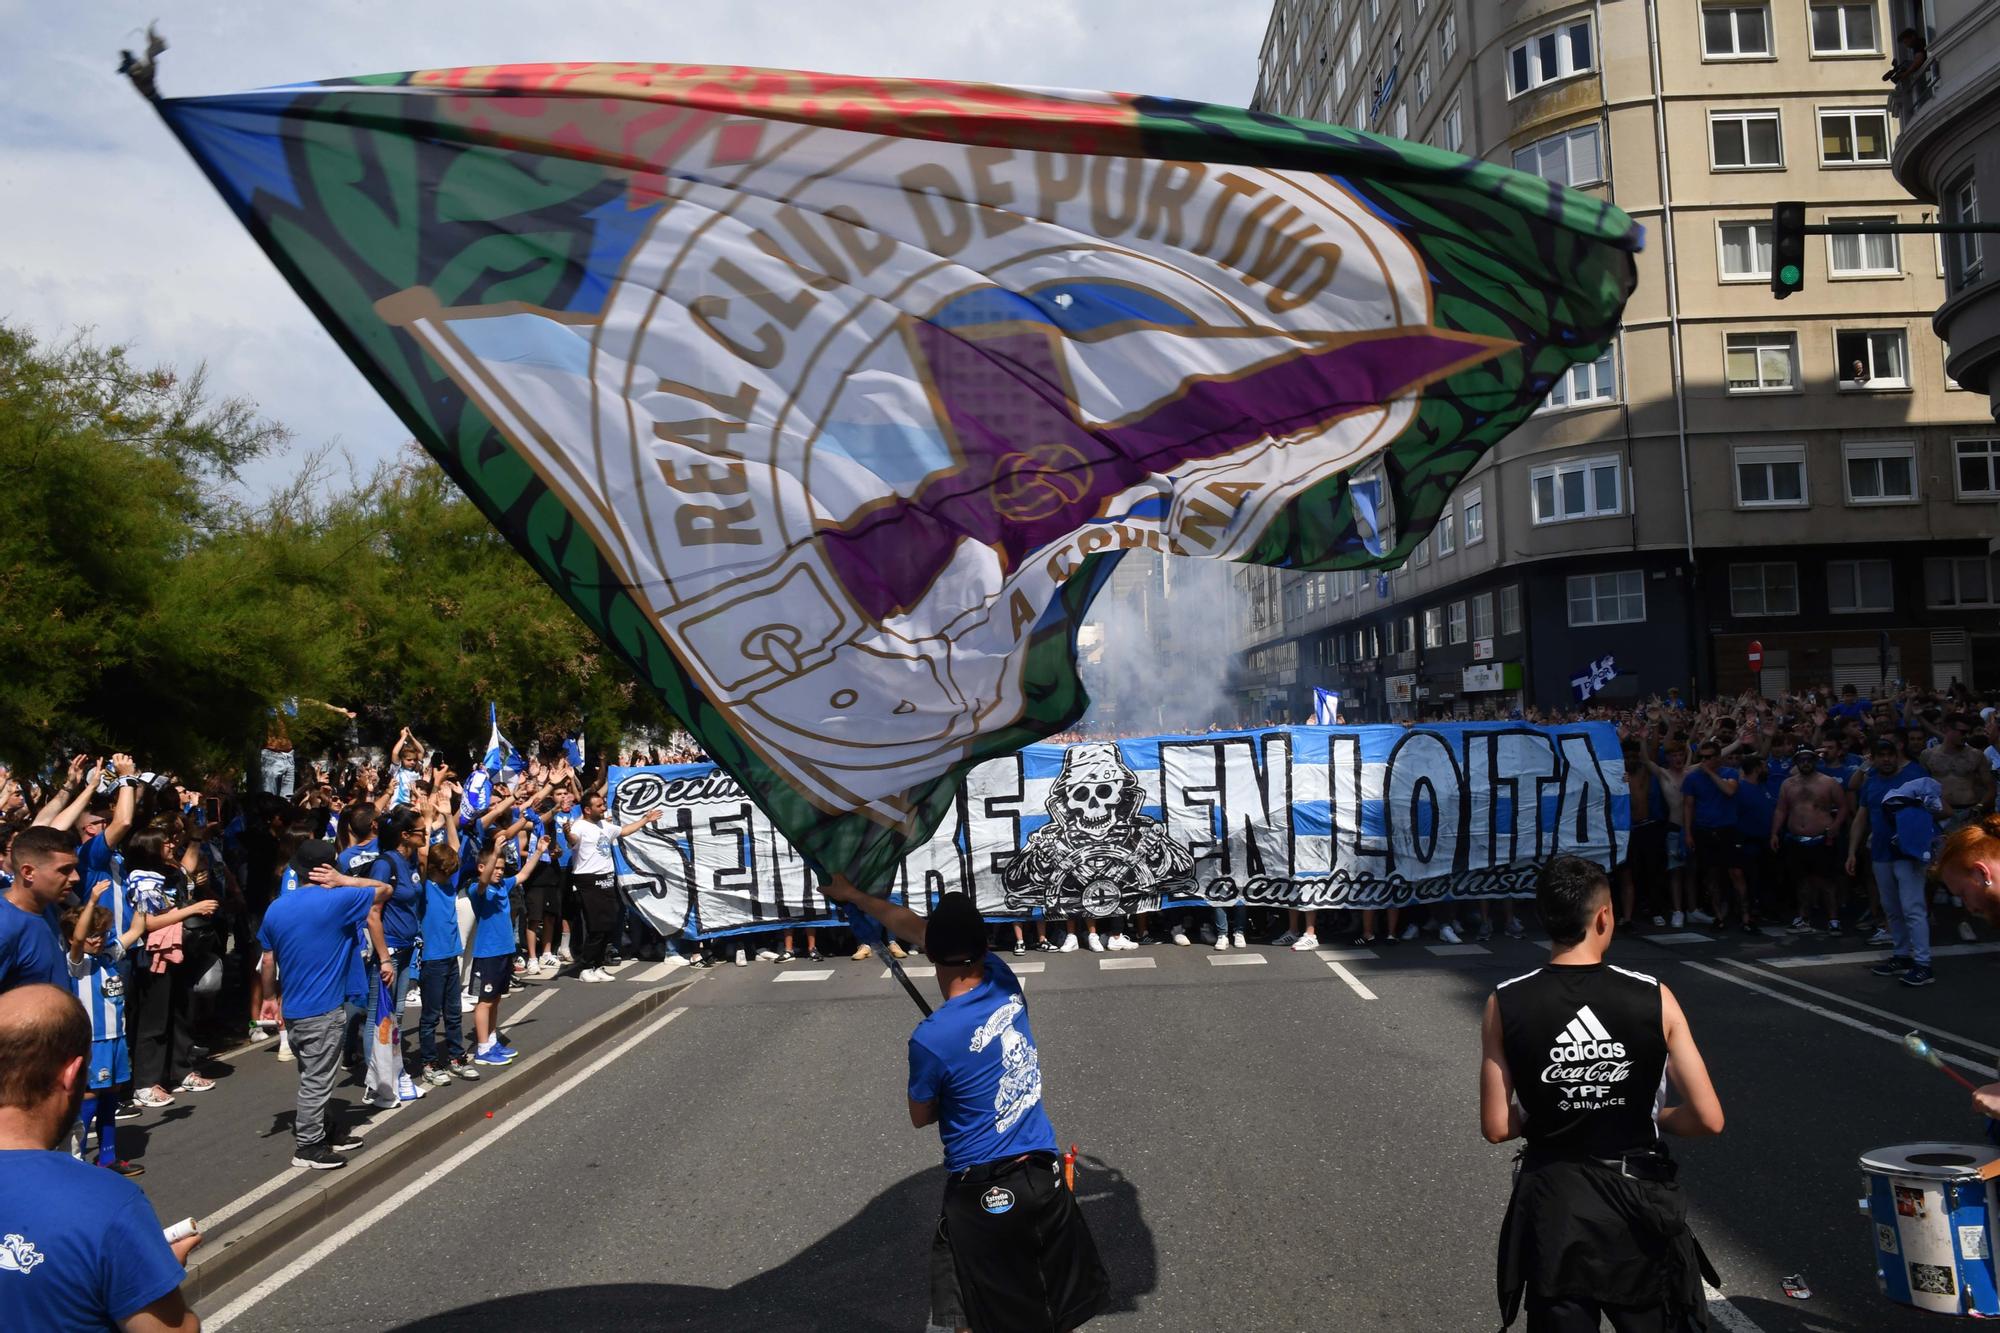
{"x": 829, "y": 401}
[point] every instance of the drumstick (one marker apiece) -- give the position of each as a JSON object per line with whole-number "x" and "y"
{"x": 1914, "y": 1043}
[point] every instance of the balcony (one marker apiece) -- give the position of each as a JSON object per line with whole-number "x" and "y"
{"x": 1915, "y": 91}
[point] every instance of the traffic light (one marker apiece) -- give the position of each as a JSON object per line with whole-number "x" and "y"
{"x": 1788, "y": 249}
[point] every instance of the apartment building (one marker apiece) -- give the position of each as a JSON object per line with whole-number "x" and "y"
{"x": 1948, "y": 101}
{"x": 1798, "y": 474}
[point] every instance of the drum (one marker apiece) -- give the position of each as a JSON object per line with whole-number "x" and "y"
{"x": 1931, "y": 1215}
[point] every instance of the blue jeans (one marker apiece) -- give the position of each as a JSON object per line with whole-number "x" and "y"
{"x": 1900, "y": 882}
{"x": 1237, "y": 914}
{"x": 277, "y": 769}
{"x": 438, "y": 980}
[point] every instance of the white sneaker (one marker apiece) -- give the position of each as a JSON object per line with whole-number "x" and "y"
{"x": 1221, "y": 943}
{"x": 407, "y": 1089}
{"x": 595, "y": 975}
{"x": 284, "y": 1045}
{"x": 742, "y": 958}
{"x": 1965, "y": 932}
{"x": 562, "y": 952}
{"x": 414, "y": 1000}
{"x": 1659, "y": 920}
{"x": 1241, "y": 942}
{"x": 1701, "y": 918}
{"x": 1881, "y": 936}
{"x": 1069, "y": 943}
{"x": 1181, "y": 937}
{"x": 674, "y": 959}
{"x": 1124, "y": 942}
{"x": 767, "y": 955}
{"x": 1286, "y": 940}
{"x": 548, "y": 962}
{"x": 1800, "y": 926}
{"x": 1449, "y": 935}
{"x": 1677, "y": 920}
{"x": 1093, "y": 943}
{"x": 1410, "y": 932}
{"x": 1306, "y": 943}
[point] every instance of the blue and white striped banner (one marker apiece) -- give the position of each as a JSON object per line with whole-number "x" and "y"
{"x": 1294, "y": 816}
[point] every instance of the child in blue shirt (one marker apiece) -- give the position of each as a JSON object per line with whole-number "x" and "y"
{"x": 442, "y": 873}
{"x": 95, "y": 951}
{"x": 493, "y": 946}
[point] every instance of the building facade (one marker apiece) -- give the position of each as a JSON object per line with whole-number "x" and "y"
{"x": 1798, "y": 474}
{"x": 1948, "y": 154}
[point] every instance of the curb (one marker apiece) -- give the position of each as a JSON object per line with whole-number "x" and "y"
{"x": 222, "y": 1260}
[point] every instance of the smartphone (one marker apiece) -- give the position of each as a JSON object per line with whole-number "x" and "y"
{"x": 211, "y": 809}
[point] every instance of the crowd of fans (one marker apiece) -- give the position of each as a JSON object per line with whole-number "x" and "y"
{"x": 171, "y": 909}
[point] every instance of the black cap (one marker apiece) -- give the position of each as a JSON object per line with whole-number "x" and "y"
{"x": 312, "y": 853}
{"x": 955, "y": 935}
{"x": 1884, "y": 745}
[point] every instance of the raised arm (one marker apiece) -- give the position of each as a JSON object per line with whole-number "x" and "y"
{"x": 65, "y": 806}
{"x": 894, "y": 917}
{"x": 641, "y": 822}
{"x": 126, "y": 805}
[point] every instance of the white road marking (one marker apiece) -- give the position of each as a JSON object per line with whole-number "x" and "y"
{"x": 1844, "y": 1020}
{"x": 619, "y": 966}
{"x": 301, "y": 1263}
{"x": 1457, "y": 950}
{"x": 1027, "y": 965}
{"x": 1236, "y": 959}
{"x": 1345, "y": 955}
{"x": 1680, "y": 937}
{"x": 1877, "y": 955}
{"x": 657, "y": 972}
{"x": 916, "y": 970}
{"x": 1124, "y": 964}
{"x": 212, "y": 1224}
{"x": 1353, "y": 982}
{"x": 1907, "y": 1023}
{"x": 1727, "y": 1315}
{"x": 527, "y": 1008}
{"x": 809, "y": 974}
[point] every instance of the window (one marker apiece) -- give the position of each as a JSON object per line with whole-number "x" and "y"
{"x": 1482, "y": 616}
{"x": 1422, "y": 84}
{"x": 1571, "y": 158}
{"x": 1374, "y": 10}
{"x": 1447, "y": 532}
{"x": 1881, "y": 473}
{"x": 1978, "y": 468}
{"x": 1580, "y": 385}
{"x": 1744, "y": 141}
{"x": 1510, "y": 609}
{"x": 1854, "y": 138}
{"x": 1406, "y": 634}
{"x": 1447, "y": 36}
{"x": 1434, "y": 627}
{"x": 1453, "y": 137}
{"x": 1580, "y": 488}
{"x": 1962, "y": 255}
{"x": 1607, "y": 599}
{"x": 1745, "y": 249}
{"x": 1864, "y": 256}
{"x": 1764, "y": 589}
{"x": 1735, "y": 32}
{"x": 1859, "y": 585}
{"x": 1339, "y": 84}
{"x": 1872, "y": 358}
{"x": 1959, "y": 580}
{"x": 1473, "y": 507}
{"x": 1354, "y": 45}
{"x": 1843, "y": 29}
{"x": 1549, "y": 56}
{"x": 1771, "y": 476}
{"x": 1422, "y": 555}
{"x": 1455, "y": 623}
{"x": 1761, "y": 362}
{"x": 1399, "y": 123}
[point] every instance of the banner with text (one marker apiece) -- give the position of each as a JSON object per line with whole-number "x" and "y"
{"x": 1312, "y": 817}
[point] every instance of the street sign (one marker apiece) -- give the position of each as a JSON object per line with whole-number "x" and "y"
{"x": 1482, "y": 649}
{"x": 1757, "y": 656}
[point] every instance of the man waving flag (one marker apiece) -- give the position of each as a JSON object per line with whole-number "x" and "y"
{"x": 830, "y": 401}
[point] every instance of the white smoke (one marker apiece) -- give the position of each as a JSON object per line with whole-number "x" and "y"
{"x": 1157, "y": 647}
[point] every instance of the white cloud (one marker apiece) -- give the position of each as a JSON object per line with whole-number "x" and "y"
{"x": 110, "y": 225}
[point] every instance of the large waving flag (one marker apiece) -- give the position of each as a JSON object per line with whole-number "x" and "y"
{"x": 830, "y": 402}
{"x": 501, "y": 756}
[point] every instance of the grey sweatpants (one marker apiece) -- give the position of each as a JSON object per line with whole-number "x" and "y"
{"x": 315, "y": 1045}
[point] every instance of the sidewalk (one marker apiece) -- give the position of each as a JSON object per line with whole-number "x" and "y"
{"x": 224, "y": 1157}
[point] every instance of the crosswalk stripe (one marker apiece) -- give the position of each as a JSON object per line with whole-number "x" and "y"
{"x": 809, "y": 974}
{"x": 1123, "y": 964}
{"x": 916, "y": 970}
{"x": 1028, "y": 965}
{"x": 1457, "y": 950}
{"x": 1347, "y": 955}
{"x": 1236, "y": 959}
{"x": 1353, "y": 982}
{"x": 1680, "y": 937}
{"x": 657, "y": 972}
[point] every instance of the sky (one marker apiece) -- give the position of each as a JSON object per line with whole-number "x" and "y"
{"x": 110, "y": 227}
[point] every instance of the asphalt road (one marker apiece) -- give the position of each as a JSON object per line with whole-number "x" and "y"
{"x": 1266, "y": 1147}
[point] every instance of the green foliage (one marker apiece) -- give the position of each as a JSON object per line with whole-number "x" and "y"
{"x": 144, "y": 608}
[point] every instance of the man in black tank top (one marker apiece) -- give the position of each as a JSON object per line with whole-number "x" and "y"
{"x": 1578, "y": 1056}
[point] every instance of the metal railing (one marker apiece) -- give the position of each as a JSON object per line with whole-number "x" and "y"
{"x": 1914, "y": 91}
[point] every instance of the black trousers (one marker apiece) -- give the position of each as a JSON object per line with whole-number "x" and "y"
{"x": 162, "y": 1042}
{"x": 1557, "y": 1315}
{"x": 1012, "y": 1253}
{"x": 597, "y": 896}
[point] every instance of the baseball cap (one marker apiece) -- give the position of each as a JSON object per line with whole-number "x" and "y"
{"x": 954, "y": 934}
{"x": 1884, "y": 745}
{"x": 311, "y": 854}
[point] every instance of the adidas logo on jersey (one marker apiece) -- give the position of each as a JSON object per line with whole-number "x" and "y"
{"x": 1585, "y": 1039}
